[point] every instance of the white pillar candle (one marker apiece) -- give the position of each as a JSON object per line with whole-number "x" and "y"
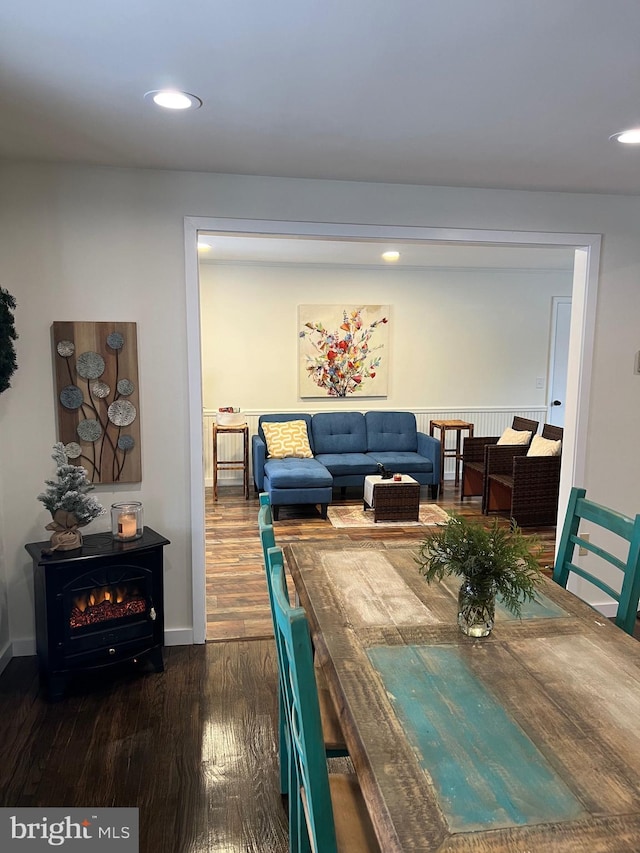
{"x": 126, "y": 525}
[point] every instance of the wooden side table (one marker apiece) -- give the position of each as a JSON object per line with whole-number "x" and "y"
{"x": 450, "y": 452}
{"x": 231, "y": 464}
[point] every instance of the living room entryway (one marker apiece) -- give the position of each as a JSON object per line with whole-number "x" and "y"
{"x": 249, "y": 291}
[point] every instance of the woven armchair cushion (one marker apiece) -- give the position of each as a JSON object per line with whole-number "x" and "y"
{"x": 515, "y": 436}
{"x": 544, "y": 447}
{"x": 287, "y": 439}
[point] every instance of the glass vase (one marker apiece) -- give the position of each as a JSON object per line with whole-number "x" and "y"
{"x": 126, "y": 521}
{"x": 476, "y": 608}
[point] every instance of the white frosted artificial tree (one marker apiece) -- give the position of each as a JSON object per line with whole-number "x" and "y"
{"x": 67, "y": 499}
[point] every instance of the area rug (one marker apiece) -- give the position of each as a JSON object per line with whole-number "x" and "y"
{"x": 354, "y": 516}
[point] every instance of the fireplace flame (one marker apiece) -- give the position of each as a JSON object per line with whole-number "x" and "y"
{"x": 103, "y": 603}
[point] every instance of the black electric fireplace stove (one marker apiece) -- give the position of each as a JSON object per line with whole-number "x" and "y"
{"x": 97, "y": 606}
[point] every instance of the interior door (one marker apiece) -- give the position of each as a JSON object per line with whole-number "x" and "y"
{"x": 558, "y": 358}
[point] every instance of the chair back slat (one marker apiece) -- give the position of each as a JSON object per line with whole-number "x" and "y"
{"x": 627, "y": 529}
{"x": 264, "y": 500}
{"x": 309, "y": 763}
{"x": 614, "y": 521}
{"x": 581, "y": 542}
{"x": 594, "y": 581}
{"x": 630, "y": 593}
{"x": 525, "y": 425}
{"x": 267, "y": 535}
{"x": 552, "y": 432}
{"x": 268, "y": 541}
{"x": 279, "y": 648}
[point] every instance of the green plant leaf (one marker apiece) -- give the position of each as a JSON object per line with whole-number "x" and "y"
{"x": 496, "y": 555}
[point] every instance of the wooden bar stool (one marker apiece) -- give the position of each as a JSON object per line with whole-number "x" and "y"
{"x": 231, "y": 464}
{"x": 451, "y": 452}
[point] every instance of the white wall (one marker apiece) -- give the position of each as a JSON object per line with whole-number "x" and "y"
{"x": 458, "y": 337}
{"x": 5, "y": 649}
{"x": 99, "y": 244}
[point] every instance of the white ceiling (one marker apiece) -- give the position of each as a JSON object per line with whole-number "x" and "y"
{"x": 274, "y": 250}
{"x": 484, "y": 93}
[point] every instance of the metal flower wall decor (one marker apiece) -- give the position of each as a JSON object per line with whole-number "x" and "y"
{"x": 96, "y": 369}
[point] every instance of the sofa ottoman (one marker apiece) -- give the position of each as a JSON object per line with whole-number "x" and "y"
{"x": 292, "y": 479}
{"x": 297, "y": 481}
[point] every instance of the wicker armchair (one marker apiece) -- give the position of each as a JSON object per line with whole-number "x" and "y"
{"x": 474, "y": 454}
{"x": 526, "y": 487}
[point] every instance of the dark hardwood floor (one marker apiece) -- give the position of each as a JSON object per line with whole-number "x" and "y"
{"x": 194, "y": 748}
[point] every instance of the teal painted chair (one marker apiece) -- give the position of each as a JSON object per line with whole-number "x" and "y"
{"x": 263, "y": 497}
{"x": 327, "y": 813}
{"x": 335, "y": 746}
{"x": 628, "y": 529}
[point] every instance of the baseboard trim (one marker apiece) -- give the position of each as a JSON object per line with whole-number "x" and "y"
{"x": 178, "y": 636}
{"x": 24, "y": 648}
{"x": 6, "y": 653}
{"x": 607, "y": 608}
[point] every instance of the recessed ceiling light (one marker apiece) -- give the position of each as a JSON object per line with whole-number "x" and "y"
{"x": 173, "y": 100}
{"x": 628, "y": 137}
{"x": 390, "y": 256}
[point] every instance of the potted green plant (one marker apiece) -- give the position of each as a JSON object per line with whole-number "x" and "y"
{"x": 491, "y": 561}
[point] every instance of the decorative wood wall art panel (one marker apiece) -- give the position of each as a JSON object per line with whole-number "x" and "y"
{"x": 98, "y": 402}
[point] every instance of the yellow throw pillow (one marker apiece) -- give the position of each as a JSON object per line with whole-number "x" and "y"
{"x": 515, "y": 436}
{"x": 544, "y": 447}
{"x": 289, "y": 438}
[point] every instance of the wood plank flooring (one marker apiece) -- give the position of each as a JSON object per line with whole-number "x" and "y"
{"x": 237, "y": 602}
{"x": 194, "y": 748}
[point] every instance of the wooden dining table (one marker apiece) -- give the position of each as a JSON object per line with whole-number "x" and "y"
{"x": 527, "y": 741}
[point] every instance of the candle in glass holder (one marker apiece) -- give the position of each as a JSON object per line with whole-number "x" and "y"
{"x": 126, "y": 520}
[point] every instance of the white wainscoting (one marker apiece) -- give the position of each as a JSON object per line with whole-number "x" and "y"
{"x": 489, "y": 421}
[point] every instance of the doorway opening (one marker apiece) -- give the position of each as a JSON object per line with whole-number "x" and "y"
{"x": 584, "y": 284}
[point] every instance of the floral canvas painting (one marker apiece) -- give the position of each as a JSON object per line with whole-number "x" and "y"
{"x": 343, "y": 350}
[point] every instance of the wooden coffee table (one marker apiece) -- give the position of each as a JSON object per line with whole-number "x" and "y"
{"x": 392, "y": 500}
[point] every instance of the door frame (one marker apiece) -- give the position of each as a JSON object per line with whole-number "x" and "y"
{"x": 583, "y": 313}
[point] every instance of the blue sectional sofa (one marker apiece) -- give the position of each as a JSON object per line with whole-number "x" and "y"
{"x": 346, "y": 446}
